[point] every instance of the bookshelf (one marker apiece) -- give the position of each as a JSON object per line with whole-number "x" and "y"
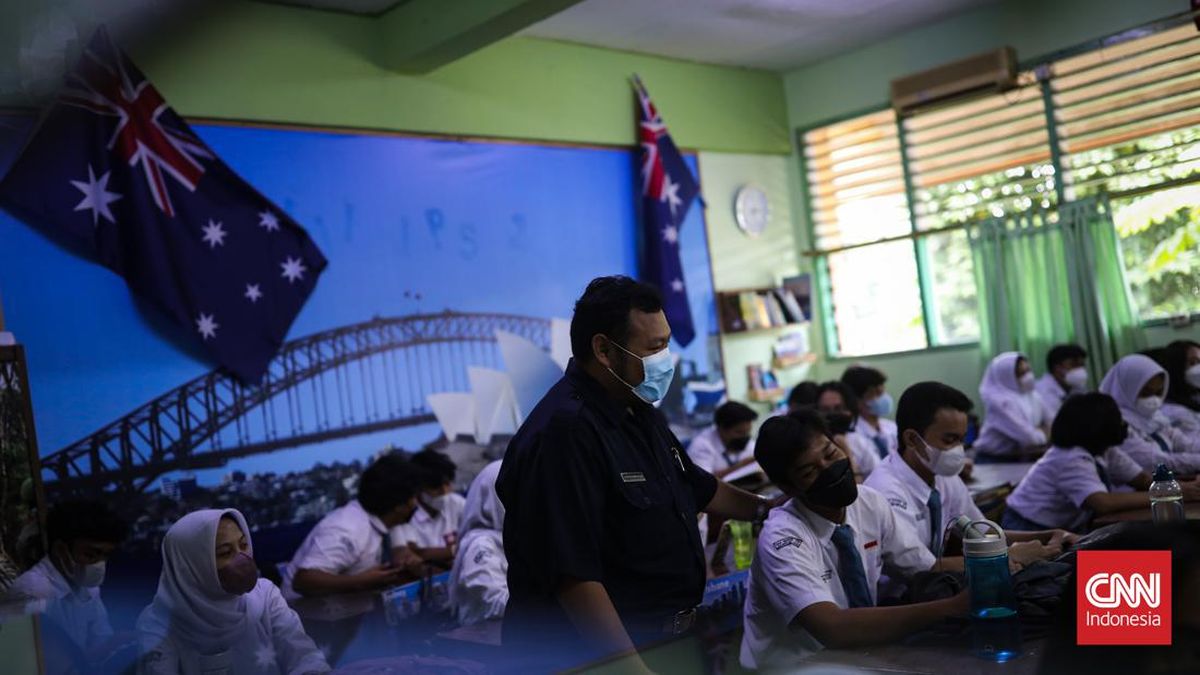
{"x": 748, "y": 311}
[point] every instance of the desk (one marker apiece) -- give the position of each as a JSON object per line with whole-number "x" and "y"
{"x": 1191, "y": 508}
{"x": 987, "y": 476}
{"x": 925, "y": 659}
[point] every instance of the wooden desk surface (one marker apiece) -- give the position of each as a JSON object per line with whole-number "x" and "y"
{"x": 987, "y": 476}
{"x": 1191, "y": 508}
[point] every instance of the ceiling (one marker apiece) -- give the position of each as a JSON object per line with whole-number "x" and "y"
{"x": 772, "y": 34}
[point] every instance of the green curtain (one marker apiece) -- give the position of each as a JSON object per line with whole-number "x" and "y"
{"x": 1051, "y": 276}
{"x": 1022, "y": 284}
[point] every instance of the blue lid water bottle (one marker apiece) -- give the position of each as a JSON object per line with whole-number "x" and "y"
{"x": 993, "y": 604}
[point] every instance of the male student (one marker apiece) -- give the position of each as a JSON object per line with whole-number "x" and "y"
{"x": 874, "y": 405}
{"x": 726, "y": 445}
{"x": 64, "y": 586}
{"x": 819, "y": 556}
{"x": 839, "y": 406}
{"x": 1066, "y": 375}
{"x": 348, "y": 552}
{"x": 431, "y": 534}
{"x": 921, "y": 482}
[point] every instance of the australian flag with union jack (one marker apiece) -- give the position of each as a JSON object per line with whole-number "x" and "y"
{"x": 115, "y": 174}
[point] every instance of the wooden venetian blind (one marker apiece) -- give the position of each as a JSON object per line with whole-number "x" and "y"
{"x": 856, "y": 181}
{"x": 1127, "y": 113}
{"x": 983, "y": 157}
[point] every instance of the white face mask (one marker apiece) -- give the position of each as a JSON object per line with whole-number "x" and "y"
{"x": 437, "y": 503}
{"x": 948, "y": 462}
{"x": 1193, "y": 376}
{"x": 1026, "y": 382}
{"x": 1149, "y": 405}
{"x": 1076, "y": 378}
{"x": 86, "y": 576}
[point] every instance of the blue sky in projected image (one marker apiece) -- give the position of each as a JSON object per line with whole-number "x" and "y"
{"x": 469, "y": 226}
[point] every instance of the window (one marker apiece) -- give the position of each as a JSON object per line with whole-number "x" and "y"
{"x": 1160, "y": 242}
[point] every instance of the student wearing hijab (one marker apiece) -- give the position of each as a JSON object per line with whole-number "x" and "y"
{"x": 213, "y": 614}
{"x": 1139, "y": 386}
{"x": 1066, "y": 375}
{"x": 1075, "y": 479}
{"x": 1181, "y": 360}
{"x": 1015, "y": 423}
{"x": 478, "y": 580}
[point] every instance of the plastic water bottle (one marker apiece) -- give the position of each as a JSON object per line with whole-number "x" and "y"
{"x": 1166, "y": 497}
{"x": 743, "y": 543}
{"x": 994, "y": 618}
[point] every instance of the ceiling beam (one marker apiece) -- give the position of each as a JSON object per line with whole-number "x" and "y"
{"x": 419, "y": 36}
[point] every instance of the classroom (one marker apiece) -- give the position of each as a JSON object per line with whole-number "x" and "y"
{"x": 600, "y": 336}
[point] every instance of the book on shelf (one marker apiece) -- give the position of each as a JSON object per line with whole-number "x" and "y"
{"x": 774, "y": 309}
{"x": 764, "y": 308}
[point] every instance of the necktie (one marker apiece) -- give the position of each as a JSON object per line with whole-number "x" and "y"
{"x": 1162, "y": 444}
{"x": 385, "y": 551}
{"x": 935, "y": 520}
{"x": 850, "y": 568}
{"x": 1103, "y": 474}
{"x": 881, "y": 446}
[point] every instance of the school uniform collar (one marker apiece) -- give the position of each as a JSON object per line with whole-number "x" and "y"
{"x": 908, "y": 477}
{"x": 594, "y": 394}
{"x": 56, "y": 580}
{"x": 822, "y": 528}
{"x": 376, "y": 523}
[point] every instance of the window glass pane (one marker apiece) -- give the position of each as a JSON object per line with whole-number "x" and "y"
{"x": 951, "y": 275}
{"x": 876, "y": 299}
{"x": 1160, "y": 242}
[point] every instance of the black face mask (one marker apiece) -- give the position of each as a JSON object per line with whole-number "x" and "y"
{"x": 838, "y": 422}
{"x": 738, "y": 444}
{"x": 834, "y": 487}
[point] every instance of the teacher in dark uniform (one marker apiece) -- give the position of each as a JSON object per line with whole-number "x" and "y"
{"x": 601, "y": 501}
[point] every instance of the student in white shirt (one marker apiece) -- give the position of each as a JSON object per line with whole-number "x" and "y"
{"x": 803, "y": 395}
{"x": 726, "y": 445}
{"x": 1139, "y": 386}
{"x": 1015, "y": 424}
{"x": 874, "y": 405}
{"x": 837, "y": 403}
{"x": 1066, "y": 374}
{"x": 345, "y": 552}
{"x": 213, "y": 614}
{"x": 922, "y": 481}
{"x": 64, "y": 586}
{"x": 819, "y": 557}
{"x": 1181, "y": 360}
{"x": 478, "y": 580}
{"x": 432, "y": 533}
{"x": 1075, "y": 479}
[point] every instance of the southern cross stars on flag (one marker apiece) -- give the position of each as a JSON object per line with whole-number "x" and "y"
{"x": 668, "y": 189}
{"x": 114, "y": 173}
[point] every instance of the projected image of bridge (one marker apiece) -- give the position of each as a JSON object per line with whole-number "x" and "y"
{"x": 354, "y": 380}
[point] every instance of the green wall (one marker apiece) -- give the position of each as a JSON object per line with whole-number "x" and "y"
{"x": 268, "y": 62}
{"x": 852, "y": 83}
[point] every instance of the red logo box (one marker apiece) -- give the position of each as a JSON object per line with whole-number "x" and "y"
{"x": 1124, "y": 598}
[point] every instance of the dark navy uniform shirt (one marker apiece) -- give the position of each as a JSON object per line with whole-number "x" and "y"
{"x": 597, "y": 491}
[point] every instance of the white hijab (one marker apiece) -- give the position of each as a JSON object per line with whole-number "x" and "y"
{"x": 1125, "y": 381}
{"x": 190, "y": 605}
{"x": 483, "y": 516}
{"x": 1000, "y": 385}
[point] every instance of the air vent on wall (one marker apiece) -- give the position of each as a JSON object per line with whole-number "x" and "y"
{"x": 995, "y": 70}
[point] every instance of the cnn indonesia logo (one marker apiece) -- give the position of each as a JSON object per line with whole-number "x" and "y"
{"x": 1124, "y": 598}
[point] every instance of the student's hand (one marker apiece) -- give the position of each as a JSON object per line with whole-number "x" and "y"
{"x": 1064, "y": 539}
{"x": 1024, "y": 553}
{"x": 960, "y": 605}
{"x": 968, "y": 467}
{"x": 1191, "y": 490}
{"x": 379, "y": 577}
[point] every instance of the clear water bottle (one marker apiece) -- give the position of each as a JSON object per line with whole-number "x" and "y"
{"x": 743, "y": 543}
{"x": 994, "y": 618}
{"x": 1166, "y": 497}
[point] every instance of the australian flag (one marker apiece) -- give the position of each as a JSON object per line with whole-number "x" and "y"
{"x": 116, "y": 175}
{"x": 668, "y": 190}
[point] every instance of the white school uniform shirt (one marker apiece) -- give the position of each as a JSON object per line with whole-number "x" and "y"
{"x": 709, "y": 453}
{"x": 867, "y": 434}
{"x": 795, "y": 566}
{"x": 1182, "y": 418}
{"x": 426, "y": 531}
{"x": 908, "y": 495}
{"x": 1152, "y": 440}
{"x": 346, "y": 541}
{"x": 1051, "y": 393}
{"x": 79, "y": 612}
{"x": 479, "y": 578}
{"x": 1012, "y": 418}
{"x": 1053, "y": 492}
{"x": 864, "y": 453}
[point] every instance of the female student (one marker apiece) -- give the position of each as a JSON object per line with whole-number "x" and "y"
{"x": 1181, "y": 360}
{"x": 1074, "y": 480}
{"x": 1015, "y": 421}
{"x": 213, "y": 614}
{"x": 1139, "y": 386}
{"x": 478, "y": 581}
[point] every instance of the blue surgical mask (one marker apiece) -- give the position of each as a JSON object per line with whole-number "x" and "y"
{"x": 657, "y": 372}
{"x": 881, "y": 406}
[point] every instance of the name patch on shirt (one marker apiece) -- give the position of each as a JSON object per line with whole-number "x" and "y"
{"x": 787, "y": 541}
{"x": 633, "y": 477}
{"x": 898, "y": 503}
{"x": 827, "y": 575}
{"x": 870, "y": 544}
